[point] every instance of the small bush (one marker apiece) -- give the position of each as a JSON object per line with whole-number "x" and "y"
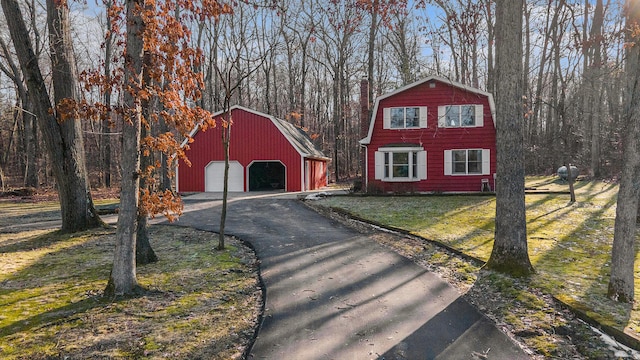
{"x": 375, "y": 188}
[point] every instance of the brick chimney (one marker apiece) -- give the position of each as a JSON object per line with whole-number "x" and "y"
{"x": 364, "y": 108}
{"x": 364, "y": 127}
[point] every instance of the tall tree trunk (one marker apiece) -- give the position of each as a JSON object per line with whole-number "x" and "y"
{"x": 105, "y": 129}
{"x": 63, "y": 139}
{"x": 510, "y": 253}
{"x": 29, "y": 120}
{"x": 621, "y": 282}
{"x": 30, "y": 139}
{"x": 74, "y": 192}
{"x": 122, "y": 280}
{"x": 373, "y": 29}
{"x": 594, "y": 81}
{"x": 491, "y": 41}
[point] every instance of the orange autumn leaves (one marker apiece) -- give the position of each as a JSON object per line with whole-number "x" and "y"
{"x": 167, "y": 95}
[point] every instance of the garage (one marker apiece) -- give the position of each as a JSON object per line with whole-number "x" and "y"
{"x": 267, "y": 175}
{"x": 214, "y": 176}
{"x": 266, "y": 154}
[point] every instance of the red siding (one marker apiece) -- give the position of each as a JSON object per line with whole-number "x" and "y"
{"x": 435, "y": 140}
{"x": 317, "y": 174}
{"x": 253, "y": 137}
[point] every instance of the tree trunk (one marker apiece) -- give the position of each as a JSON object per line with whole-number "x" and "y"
{"x": 105, "y": 129}
{"x": 63, "y": 139}
{"x": 509, "y": 252}
{"x": 226, "y": 138}
{"x": 621, "y": 282}
{"x": 594, "y": 82}
{"x": 30, "y": 140}
{"x": 122, "y": 280}
{"x": 490, "y": 47}
{"x": 144, "y": 252}
{"x": 371, "y": 44}
{"x": 74, "y": 192}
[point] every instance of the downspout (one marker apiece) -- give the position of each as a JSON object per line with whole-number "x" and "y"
{"x": 177, "y": 183}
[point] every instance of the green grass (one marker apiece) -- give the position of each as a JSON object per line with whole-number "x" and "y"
{"x": 201, "y": 303}
{"x": 569, "y": 244}
{"x": 19, "y": 212}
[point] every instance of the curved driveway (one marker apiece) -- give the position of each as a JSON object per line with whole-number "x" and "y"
{"x": 334, "y": 293}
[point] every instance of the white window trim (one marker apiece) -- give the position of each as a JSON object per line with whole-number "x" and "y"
{"x": 421, "y": 166}
{"x": 448, "y": 162}
{"x": 422, "y": 118}
{"x": 478, "y": 116}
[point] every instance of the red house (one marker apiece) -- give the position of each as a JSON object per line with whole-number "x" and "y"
{"x": 265, "y": 153}
{"x": 434, "y": 135}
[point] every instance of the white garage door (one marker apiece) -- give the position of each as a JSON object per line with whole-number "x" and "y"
{"x": 214, "y": 177}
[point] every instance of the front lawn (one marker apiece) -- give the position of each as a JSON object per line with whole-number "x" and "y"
{"x": 201, "y": 303}
{"x": 569, "y": 244}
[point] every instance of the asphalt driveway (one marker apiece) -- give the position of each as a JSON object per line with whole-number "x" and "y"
{"x": 334, "y": 293}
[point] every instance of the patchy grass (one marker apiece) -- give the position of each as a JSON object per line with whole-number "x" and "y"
{"x": 20, "y": 211}
{"x": 569, "y": 244}
{"x": 201, "y": 303}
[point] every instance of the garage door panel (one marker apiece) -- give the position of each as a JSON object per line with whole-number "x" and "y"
{"x": 214, "y": 177}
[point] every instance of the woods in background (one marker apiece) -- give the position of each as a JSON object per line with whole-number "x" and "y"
{"x": 303, "y": 61}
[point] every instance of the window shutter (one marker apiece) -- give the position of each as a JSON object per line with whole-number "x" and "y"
{"x": 447, "y": 162}
{"x": 423, "y": 116}
{"x": 422, "y": 165}
{"x": 386, "y": 118}
{"x": 486, "y": 161}
{"x": 379, "y": 158}
{"x": 442, "y": 118}
{"x": 479, "y": 116}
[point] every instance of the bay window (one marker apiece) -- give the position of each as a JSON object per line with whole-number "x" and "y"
{"x": 401, "y": 164}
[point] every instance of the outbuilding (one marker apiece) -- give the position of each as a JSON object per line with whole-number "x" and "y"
{"x": 265, "y": 153}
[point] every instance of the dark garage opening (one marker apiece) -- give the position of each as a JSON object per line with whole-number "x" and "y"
{"x": 266, "y": 175}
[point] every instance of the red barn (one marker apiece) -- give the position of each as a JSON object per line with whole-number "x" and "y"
{"x": 434, "y": 135}
{"x": 265, "y": 153}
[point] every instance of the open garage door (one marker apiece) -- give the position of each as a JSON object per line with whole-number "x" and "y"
{"x": 214, "y": 177}
{"x": 267, "y": 175}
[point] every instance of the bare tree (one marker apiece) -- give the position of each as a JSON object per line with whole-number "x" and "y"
{"x": 621, "y": 282}
{"x": 123, "y": 279}
{"x": 238, "y": 64}
{"x": 510, "y": 253}
{"x": 63, "y": 138}
{"x": 24, "y": 110}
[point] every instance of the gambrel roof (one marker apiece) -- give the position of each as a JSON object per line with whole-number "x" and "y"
{"x": 492, "y": 106}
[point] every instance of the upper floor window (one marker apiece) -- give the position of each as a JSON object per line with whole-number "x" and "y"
{"x": 460, "y": 116}
{"x": 405, "y": 117}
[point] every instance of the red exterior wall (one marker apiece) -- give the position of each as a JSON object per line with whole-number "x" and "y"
{"x": 253, "y": 137}
{"x": 317, "y": 170}
{"x": 434, "y": 139}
